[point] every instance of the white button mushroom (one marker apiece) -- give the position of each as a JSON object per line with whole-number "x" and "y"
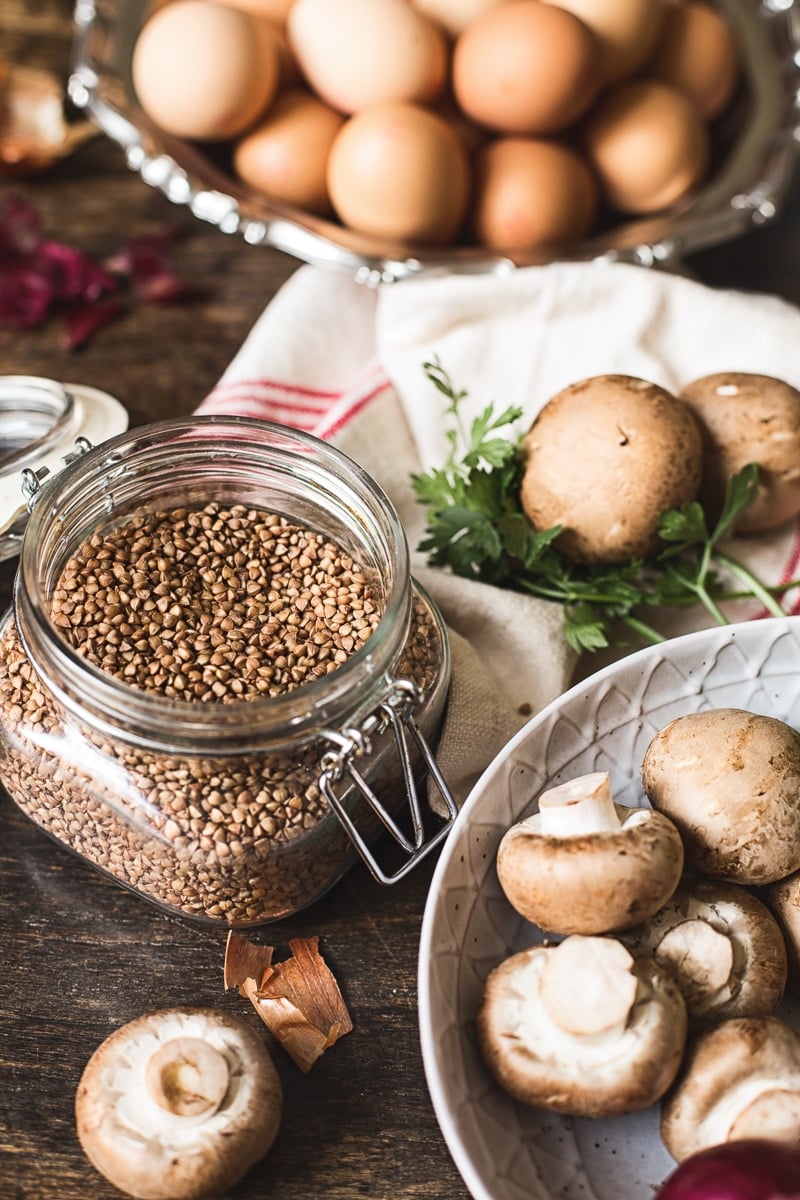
{"x": 724, "y": 947}
{"x": 178, "y": 1104}
{"x": 583, "y": 864}
{"x": 739, "y": 1079}
{"x": 730, "y": 780}
{"x": 582, "y": 1027}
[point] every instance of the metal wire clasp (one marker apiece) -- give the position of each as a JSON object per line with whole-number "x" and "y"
{"x": 32, "y": 478}
{"x": 395, "y": 712}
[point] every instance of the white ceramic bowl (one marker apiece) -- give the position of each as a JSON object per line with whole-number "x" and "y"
{"x": 504, "y": 1150}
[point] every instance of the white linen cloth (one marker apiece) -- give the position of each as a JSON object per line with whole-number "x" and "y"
{"x": 346, "y": 363}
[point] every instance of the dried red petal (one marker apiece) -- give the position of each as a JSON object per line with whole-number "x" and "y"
{"x": 72, "y": 274}
{"x": 25, "y": 297}
{"x": 40, "y": 277}
{"x": 82, "y": 320}
{"x": 146, "y": 260}
{"x": 20, "y": 227}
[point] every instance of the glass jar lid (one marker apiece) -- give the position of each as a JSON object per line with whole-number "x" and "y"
{"x": 43, "y": 426}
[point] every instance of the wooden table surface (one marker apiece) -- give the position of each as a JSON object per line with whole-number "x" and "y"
{"x": 79, "y": 955}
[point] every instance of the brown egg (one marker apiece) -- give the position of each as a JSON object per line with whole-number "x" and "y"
{"x": 273, "y": 10}
{"x": 202, "y": 70}
{"x": 525, "y": 67}
{"x": 530, "y": 193}
{"x": 398, "y": 171}
{"x": 454, "y": 15}
{"x": 647, "y": 144}
{"x": 357, "y": 53}
{"x": 697, "y": 53}
{"x": 626, "y": 31}
{"x": 287, "y": 155}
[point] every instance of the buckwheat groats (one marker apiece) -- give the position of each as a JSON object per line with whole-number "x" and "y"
{"x": 213, "y": 605}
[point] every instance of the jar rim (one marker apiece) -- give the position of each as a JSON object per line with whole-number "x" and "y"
{"x": 275, "y": 720}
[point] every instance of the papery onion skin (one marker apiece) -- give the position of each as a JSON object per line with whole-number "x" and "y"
{"x": 748, "y": 1169}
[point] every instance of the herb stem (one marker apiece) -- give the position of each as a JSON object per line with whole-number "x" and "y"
{"x": 697, "y": 588}
{"x": 754, "y": 585}
{"x": 645, "y": 631}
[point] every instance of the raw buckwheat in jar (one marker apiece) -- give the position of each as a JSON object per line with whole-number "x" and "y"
{"x": 217, "y": 672}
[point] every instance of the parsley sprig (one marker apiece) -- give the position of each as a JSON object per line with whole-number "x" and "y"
{"x": 476, "y": 527}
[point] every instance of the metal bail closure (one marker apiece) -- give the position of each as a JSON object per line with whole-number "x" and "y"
{"x": 394, "y": 712}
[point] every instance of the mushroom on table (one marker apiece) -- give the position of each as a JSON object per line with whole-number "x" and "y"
{"x": 747, "y": 418}
{"x": 178, "y": 1104}
{"x": 603, "y": 459}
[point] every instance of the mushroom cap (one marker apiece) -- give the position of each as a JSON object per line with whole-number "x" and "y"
{"x": 724, "y": 947}
{"x": 739, "y": 1078}
{"x": 747, "y": 418}
{"x": 197, "y": 1146}
{"x": 782, "y": 898}
{"x": 603, "y": 1074}
{"x": 591, "y": 882}
{"x": 604, "y": 458}
{"x": 730, "y": 780}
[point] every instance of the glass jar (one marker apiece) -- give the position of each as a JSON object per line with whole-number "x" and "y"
{"x": 239, "y": 812}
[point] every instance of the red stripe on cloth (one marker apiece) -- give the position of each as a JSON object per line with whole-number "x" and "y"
{"x": 339, "y": 419}
{"x": 264, "y": 410}
{"x": 791, "y": 568}
{"x": 275, "y": 385}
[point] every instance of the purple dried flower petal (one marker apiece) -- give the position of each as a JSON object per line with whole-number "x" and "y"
{"x": 25, "y": 297}
{"x": 39, "y": 277}
{"x": 81, "y": 320}
{"x": 72, "y": 273}
{"x": 20, "y": 227}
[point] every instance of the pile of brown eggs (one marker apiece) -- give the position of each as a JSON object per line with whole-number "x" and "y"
{"x": 511, "y": 124}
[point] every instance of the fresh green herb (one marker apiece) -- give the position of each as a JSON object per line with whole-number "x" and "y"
{"x": 476, "y": 527}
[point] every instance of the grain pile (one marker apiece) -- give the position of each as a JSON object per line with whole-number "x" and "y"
{"x": 213, "y": 606}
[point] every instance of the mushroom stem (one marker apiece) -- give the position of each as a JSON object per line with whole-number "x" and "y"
{"x": 188, "y": 1077}
{"x": 588, "y": 986}
{"x": 773, "y": 1114}
{"x": 700, "y": 954}
{"x": 582, "y": 805}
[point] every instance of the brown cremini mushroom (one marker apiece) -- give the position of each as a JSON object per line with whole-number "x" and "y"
{"x": 746, "y": 418}
{"x": 724, "y": 947}
{"x": 739, "y": 1079}
{"x": 730, "y": 780}
{"x": 582, "y": 1028}
{"x": 178, "y": 1104}
{"x": 603, "y": 459}
{"x": 583, "y": 864}
{"x": 783, "y": 900}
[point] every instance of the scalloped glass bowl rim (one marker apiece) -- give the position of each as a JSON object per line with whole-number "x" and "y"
{"x": 748, "y": 188}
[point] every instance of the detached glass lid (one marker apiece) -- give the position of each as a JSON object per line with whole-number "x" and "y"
{"x": 45, "y": 425}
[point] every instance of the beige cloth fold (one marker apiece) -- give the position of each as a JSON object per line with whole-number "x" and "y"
{"x": 346, "y": 363}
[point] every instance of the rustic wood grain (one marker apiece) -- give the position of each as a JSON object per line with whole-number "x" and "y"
{"x": 78, "y": 955}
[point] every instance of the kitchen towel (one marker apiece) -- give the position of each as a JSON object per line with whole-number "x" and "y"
{"x": 345, "y": 362}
